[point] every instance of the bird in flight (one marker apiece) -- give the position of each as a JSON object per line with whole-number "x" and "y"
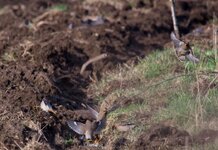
{"x": 90, "y": 128}
{"x": 183, "y": 50}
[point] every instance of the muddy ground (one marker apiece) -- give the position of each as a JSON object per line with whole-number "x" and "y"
{"x": 44, "y": 43}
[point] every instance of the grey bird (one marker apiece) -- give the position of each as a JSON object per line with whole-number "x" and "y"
{"x": 90, "y": 128}
{"x": 183, "y": 50}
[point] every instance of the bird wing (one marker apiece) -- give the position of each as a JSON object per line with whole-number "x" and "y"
{"x": 192, "y": 58}
{"x": 93, "y": 112}
{"x": 78, "y": 127}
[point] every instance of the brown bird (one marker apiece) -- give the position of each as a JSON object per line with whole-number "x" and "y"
{"x": 183, "y": 50}
{"x": 90, "y": 128}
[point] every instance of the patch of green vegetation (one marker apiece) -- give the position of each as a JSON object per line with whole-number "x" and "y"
{"x": 179, "y": 108}
{"x": 154, "y": 70}
{"x": 182, "y": 107}
{"x": 156, "y": 64}
{"x": 68, "y": 142}
{"x": 190, "y": 67}
{"x": 211, "y": 103}
{"x": 207, "y": 62}
{"x": 60, "y": 7}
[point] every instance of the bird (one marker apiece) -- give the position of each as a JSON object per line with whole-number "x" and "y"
{"x": 46, "y": 106}
{"x": 90, "y": 128}
{"x": 183, "y": 50}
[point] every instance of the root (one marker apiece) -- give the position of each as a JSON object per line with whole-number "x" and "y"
{"x": 97, "y": 58}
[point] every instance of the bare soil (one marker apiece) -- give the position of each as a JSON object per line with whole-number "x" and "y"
{"x": 36, "y": 41}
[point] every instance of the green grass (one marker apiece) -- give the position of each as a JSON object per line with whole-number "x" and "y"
{"x": 60, "y": 7}
{"x": 180, "y": 108}
{"x": 155, "y": 64}
{"x": 68, "y": 141}
{"x": 211, "y": 103}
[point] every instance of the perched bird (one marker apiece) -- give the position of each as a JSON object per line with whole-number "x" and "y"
{"x": 183, "y": 50}
{"x": 46, "y": 106}
{"x": 90, "y": 128}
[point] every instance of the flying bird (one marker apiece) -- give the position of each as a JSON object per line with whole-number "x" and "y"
{"x": 183, "y": 50}
{"x": 90, "y": 128}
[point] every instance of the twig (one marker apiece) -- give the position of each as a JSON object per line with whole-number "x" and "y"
{"x": 198, "y": 108}
{"x": 97, "y": 58}
{"x": 40, "y": 132}
{"x": 215, "y": 41}
{"x": 4, "y": 113}
{"x": 18, "y": 145}
{"x": 172, "y": 78}
{"x": 176, "y": 30}
{"x": 44, "y": 15}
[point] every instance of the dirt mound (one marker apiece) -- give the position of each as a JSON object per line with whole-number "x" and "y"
{"x": 168, "y": 137}
{"x": 43, "y": 45}
{"x": 162, "y": 137}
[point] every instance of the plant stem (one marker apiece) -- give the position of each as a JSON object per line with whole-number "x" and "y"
{"x": 176, "y": 30}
